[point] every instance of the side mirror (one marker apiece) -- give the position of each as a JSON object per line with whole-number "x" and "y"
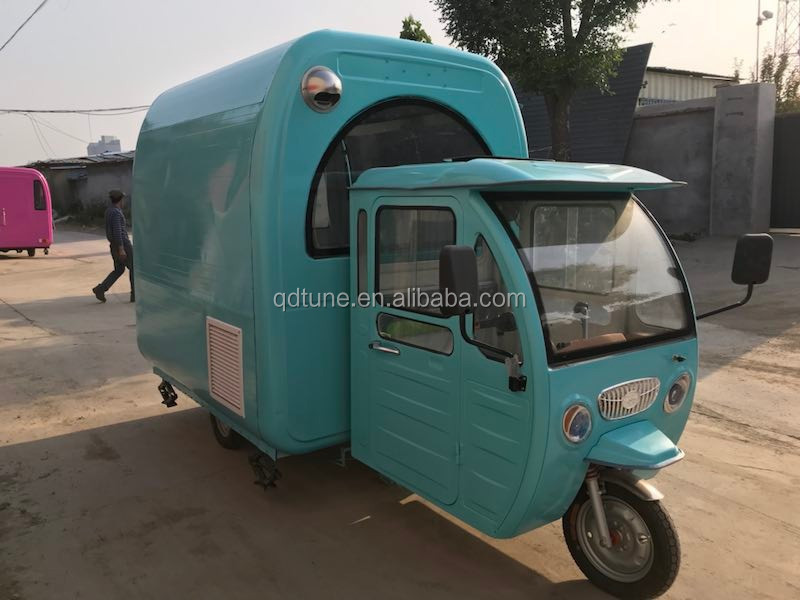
{"x": 751, "y": 266}
{"x": 752, "y": 260}
{"x": 458, "y": 279}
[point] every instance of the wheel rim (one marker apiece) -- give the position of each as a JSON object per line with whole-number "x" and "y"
{"x": 630, "y": 556}
{"x": 223, "y": 428}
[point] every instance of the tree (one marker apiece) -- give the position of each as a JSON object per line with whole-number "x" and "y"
{"x": 775, "y": 69}
{"x": 552, "y": 47}
{"x": 412, "y": 30}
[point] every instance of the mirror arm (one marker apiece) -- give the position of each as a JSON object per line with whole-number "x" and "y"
{"x": 517, "y": 382}
{"x": 462, "y": 323}
{"x": 730, "y": 307}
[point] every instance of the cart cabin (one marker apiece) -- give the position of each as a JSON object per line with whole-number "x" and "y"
{"x": 576, "y": 291}
{"x": 26, "y": 218}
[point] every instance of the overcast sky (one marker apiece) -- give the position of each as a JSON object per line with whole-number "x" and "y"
{"x": 108, "y": 53}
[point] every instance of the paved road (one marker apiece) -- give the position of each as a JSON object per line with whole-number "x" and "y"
{"x": 106, "y": 494}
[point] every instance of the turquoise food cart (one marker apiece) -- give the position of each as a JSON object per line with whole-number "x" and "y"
{"x": 303, "y": 218}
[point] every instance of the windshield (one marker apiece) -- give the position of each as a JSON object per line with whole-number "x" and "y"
{"x": 606, "y": 277}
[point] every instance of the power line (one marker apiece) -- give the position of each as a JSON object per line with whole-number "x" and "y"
{"x": 38, "y": 139}
{"x": 49, "y": 125}
{"x": 44, "y": 137}
{"x": 25, "y": 22}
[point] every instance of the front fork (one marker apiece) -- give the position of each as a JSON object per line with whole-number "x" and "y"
{"x": 593, "y": 489}
{"x": 624, "y": 478}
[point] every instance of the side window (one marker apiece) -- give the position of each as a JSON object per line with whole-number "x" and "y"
{"x": 415, "y": 333}
{"x": 38, "y": 196}
{"x": 362, "y": 252}
{"x": 329, "y": 212}
{"x": 493, "y": 322}
{"x": 409, "y": 242}
{"x": 398, "y": 132}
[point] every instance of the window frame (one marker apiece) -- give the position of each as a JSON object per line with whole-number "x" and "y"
{"x": 319, "y": 253}
{"x": 409, "y": 344}
{"x": 495, "y": 353}
{"x": 362, "y": 241}
{"x": 377, "y": 254}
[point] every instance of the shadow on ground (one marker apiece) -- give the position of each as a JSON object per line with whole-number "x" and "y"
{"x": 153, "y": 508}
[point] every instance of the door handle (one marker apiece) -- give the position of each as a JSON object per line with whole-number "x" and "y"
{"x": 386, "y": 349}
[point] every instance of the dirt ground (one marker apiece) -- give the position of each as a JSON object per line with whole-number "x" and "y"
{"x": 104, "y": 493}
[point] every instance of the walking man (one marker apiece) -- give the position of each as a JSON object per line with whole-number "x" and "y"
{"x": 121, "y": 247}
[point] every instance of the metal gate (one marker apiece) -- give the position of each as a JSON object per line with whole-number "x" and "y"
{"x": 786, "y": 172}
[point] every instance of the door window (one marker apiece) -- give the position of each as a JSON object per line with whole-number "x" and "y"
{"x": 399, "y": 132}
{"x": 410, "y": 240}
{"x": 493, "y": 322}
{"x": 415, "y": 333}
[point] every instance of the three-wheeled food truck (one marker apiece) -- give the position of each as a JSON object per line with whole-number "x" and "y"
{"x": 26, "y": 216}
{"x": 349, "y": 166}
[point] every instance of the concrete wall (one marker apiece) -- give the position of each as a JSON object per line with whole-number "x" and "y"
{"x": 741, "y": 179}
{"x": 676, "y": 140}
{"x": 85, "y": 188}
{"x": 722, "y": 147}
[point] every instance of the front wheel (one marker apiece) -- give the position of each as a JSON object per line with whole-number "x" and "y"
{"x": 31, "y": 251}
{"x": 645, "y": 552}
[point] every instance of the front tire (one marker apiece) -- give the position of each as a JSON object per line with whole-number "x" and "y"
{"x": 31, "y": 251}
{"x": 645, "y": 555}
{"x": 225, "y": 435}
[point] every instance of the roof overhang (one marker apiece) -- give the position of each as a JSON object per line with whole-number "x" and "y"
{"x": 493, "y": 174}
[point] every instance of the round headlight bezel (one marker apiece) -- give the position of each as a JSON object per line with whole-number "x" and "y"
{"x": 682, "y": 384}
{"x": 577, "y": 416}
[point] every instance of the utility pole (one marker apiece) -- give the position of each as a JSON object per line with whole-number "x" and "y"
{"x": 787, "y": 32}
{"x": 763, "y": 15}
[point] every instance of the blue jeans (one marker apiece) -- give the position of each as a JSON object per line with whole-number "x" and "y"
{"x": 119, "y": 267}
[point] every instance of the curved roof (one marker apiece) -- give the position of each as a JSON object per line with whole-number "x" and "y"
{"x": 514, "y": 175}
{"x": 247, "y": 82}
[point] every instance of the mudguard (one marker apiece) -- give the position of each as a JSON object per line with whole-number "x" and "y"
{"x": 639, "y": 446}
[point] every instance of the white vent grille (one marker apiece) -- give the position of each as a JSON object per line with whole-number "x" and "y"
{"x": 225, "y": 380}
{"x": 629, "y": 398}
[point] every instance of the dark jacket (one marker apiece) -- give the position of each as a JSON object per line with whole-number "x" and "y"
{"x": 116, "y": 231}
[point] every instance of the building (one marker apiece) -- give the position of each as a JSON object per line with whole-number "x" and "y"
{"x": 107, "y": 143}
{"x": 600, "y": 122}
{"x": 662, "y": 85}
{"x": 81, "y": 185}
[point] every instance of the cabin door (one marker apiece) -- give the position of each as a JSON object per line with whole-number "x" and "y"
{"x": 405, "y": 358}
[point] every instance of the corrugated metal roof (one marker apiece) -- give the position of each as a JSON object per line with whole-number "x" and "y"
{"x": 686, "y": 73}
{"x": 82, "y": 161}
{"x": 600, "y": 124}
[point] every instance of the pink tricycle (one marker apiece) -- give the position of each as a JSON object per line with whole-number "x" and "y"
{"x": 26, "y": 215}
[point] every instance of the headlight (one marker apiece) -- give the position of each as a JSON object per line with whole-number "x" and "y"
{"x": 577, "y": 423}
{"x": 677, "y": 393}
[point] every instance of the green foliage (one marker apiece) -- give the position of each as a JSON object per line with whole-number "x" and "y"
{"x": 775, "y": 69}
{"x": 553, "y": 47}
{"x": 412, "y": 30}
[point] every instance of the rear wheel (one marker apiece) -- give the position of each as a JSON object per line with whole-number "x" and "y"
{"x": 31, "y": 251}
{"x": 225, "y": 434}
{"x": 644, "y": 556}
